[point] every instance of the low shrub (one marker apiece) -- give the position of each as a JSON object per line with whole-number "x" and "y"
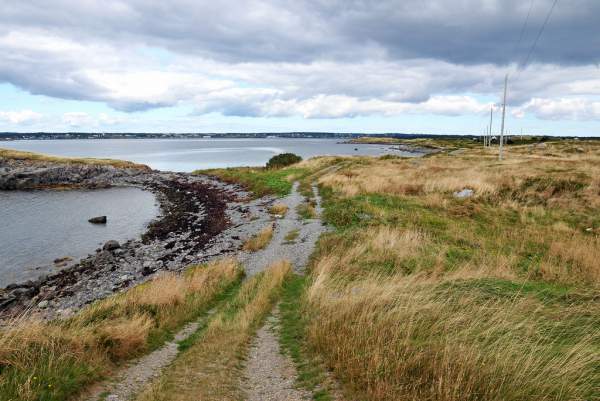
{"x": 283, "y": 160}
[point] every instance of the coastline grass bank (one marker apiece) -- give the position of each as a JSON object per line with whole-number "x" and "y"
{"x": 54, "y": 360}
{"x": 38, "y": 157}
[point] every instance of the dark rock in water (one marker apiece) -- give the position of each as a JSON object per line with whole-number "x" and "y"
{"x": 98, "y": 220}
{"x": 62, "y": 260}
{"x": 111, "y": 245}
{"x": 27, "y": 291}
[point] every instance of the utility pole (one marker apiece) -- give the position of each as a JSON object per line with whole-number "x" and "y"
{"x": 503, "y": 117}
{"x": 490, "y": 128}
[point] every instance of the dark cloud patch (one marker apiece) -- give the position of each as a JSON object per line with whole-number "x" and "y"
{"x": 297, "y": 57}
{"x": 461, "y": 31}
{"x": 473, "y": 32}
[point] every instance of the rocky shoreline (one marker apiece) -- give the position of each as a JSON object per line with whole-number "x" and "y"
{"x": 201, "y": 218}
{"x": 410, "y": 148}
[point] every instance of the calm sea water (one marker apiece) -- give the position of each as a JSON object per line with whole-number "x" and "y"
{"x": 192, "y": 154}
{"x": 40, "y": 226}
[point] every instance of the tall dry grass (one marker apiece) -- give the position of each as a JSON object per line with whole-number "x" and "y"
{"x": 373, "y": 247}
{"x": 526, "y": 177}
{"x": 574, "y": 257}
{"x": 260, "y": 240}
{"x": 278, "y": 209}
{"x": 53, "y": 360}
{"x": 210, "y": 369}
{"x": 419, "y": 295}
{"x": 409, "y": 338}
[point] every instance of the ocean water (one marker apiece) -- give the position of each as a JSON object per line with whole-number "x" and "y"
{"x": 37, "y": 227}
{"x": 191, "y": 154}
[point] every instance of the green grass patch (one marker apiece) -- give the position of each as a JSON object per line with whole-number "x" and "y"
{"x": 311, "y": 373}
{"x": 220, "y": 300}
{"x": 496, "y": 288}
{"x": 260, "y": 181}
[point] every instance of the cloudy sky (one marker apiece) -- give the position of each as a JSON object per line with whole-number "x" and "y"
{"x": 431, "y": 66}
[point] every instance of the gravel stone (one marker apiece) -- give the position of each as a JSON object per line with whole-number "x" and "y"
{"x": 270, "y": 375}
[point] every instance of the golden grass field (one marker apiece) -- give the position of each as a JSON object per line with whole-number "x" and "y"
{"x": 419, "y": 295}
{"x": 36, "y": 157}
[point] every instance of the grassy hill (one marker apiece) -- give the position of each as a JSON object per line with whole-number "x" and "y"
{"x": 420, "y": 291}
{"x": 420, "y": 294}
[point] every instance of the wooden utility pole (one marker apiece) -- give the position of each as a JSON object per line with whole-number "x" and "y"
{"x": 503, "y": 117}
{"x": 489, "y": 142}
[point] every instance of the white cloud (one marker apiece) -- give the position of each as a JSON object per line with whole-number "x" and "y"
{"x": 561, "y": 109}
{"x": 273, "y": 104}
{"x": 20, "y": 117}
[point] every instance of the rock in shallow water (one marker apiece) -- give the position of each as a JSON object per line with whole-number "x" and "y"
{"x": 98, "y": 220}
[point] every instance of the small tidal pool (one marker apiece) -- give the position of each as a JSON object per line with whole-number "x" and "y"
{"x": 37, "y": 227}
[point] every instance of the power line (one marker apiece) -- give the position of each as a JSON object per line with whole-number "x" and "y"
{"x": 539, "y": 35}
{"x": 524, "y": 25}
{"x": 524, "y": 65}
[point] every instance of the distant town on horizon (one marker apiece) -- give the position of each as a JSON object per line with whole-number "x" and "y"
{"x": 9, "y": 136}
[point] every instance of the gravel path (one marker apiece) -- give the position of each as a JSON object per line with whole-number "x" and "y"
{"x": 298, "y": 251}
{"x": 137, "y": 373}
{"x": 270, "y": 375}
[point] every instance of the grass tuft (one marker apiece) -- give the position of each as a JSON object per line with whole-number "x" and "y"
{"x": 278, "y": 209}
{"x": 291, "y": 236}
{"x": 260, "y": 240}
{"x": 306, "y": 210}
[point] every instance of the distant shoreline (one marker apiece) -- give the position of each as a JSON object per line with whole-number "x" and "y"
{"x": 19, "y": 136}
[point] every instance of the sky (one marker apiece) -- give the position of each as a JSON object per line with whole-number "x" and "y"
{"x": 413, "y": 66}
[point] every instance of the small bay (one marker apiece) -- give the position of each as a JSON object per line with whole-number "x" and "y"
{"x": 37, "y": 227}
